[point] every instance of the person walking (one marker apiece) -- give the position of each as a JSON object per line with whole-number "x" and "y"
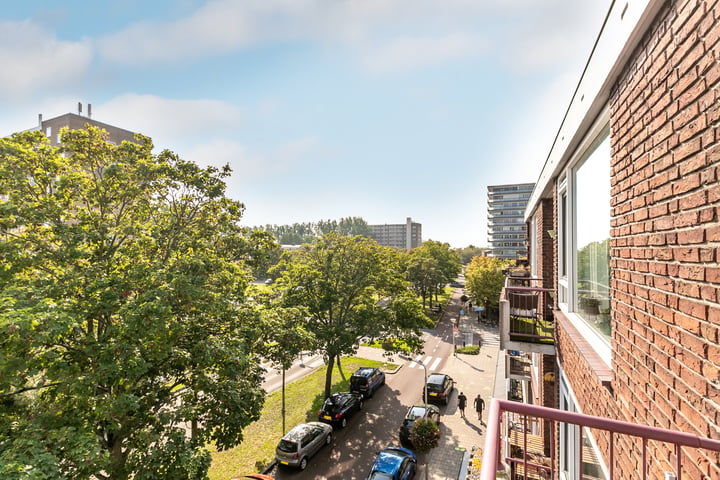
{"x": 462, "y": 402}
{"x": 479, "y": 406}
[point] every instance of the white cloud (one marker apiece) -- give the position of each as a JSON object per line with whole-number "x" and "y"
{"x": 169, "y": 121}
{"x": 407, "y": 53}
{"x": 249, "y": 165}
{"x": 33, "y": 60}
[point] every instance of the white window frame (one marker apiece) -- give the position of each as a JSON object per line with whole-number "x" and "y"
{"x": 567, "y": 237}
{"x": 569, "y": 434}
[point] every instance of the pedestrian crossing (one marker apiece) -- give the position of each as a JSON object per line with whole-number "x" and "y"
{"x": 429, "y": 361}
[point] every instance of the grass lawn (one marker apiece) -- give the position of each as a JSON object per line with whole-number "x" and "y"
{"x": 303, "y": 398}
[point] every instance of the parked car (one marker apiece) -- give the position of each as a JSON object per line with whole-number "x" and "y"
{"x": 439, "y": 387}
{"x": 394, "y": 463}
{"x": 302, "y": 442}
{"x": 421, "y": 410}
{"x": 366, "y": 381}
{"x": 339, "y": 407}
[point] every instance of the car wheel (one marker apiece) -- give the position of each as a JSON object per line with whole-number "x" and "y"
{"x": 343, "y": 423}
{"x": 328, "y": 439}
{"x": 303, "y": 463}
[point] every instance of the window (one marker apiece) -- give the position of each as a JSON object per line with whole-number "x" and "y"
{"x": 571, "y": 437}
{"x": 592, "y": 238}
{"x": 583, "y": 205}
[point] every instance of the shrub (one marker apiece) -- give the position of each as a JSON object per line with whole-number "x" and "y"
{"x": 424, "y": 435}
{"x": 469, "y": 350}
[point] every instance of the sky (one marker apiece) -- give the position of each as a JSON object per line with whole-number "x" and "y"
{"x": 324, "y": 109}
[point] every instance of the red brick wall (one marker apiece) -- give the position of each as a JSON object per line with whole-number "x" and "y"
{"x": 665, "y": 248}
{"x": 665, "y": 239}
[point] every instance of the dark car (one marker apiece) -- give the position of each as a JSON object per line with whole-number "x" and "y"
{"x": 339, "y": 407}
{"x": 302, "y": 442}
{"x": 393, "y": 463}
{"x": 421, "y": 410}
{"x": 439, "y": 387}
{"x": 366, "y": 381}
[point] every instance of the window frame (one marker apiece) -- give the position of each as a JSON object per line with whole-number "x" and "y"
{"x": 566, "y": 198}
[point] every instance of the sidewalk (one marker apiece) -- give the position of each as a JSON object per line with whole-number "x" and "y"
{"x": 473, "y": 374}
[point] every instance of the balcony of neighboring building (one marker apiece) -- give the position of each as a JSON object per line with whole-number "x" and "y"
{"x": 527, "y": 322}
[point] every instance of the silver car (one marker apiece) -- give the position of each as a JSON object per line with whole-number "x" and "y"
{"x": 301, "y": 443}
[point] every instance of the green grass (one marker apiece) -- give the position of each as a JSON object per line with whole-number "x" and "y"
{"x": 469, "y": 350}
{"x": 303, "y": 398}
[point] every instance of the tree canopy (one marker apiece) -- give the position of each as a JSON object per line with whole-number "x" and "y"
{"x": 299, "y": 233}
{"x": 128, "y": 341}
{"x": 353, "y": 289}
{"x": 484, "y": 280}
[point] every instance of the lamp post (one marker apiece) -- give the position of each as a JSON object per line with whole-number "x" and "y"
{"x": 419, "y": 362}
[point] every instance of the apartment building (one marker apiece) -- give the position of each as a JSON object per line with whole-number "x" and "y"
{"x": 507, "y": 234}
{"x": 618, "y": 330}
{"x": 404, "y": 236}
{"x": 75, "y": 121}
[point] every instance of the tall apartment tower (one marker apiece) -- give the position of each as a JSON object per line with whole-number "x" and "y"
{"x": 76, "y": 121}
{"x": 507, "y": 234}
{"x": 405, "y": 236}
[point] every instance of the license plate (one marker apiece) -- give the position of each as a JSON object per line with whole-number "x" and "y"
{"x": 327, "y": 417}
{"x": 432, "y": 394}
{"x": 284, "y": 463}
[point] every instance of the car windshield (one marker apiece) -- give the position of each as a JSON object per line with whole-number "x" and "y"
{"x": 331, "y": 405}
{"x": 435, "y": 383}
{"x": 380, "y": 476}
{"x": 287, "y": 446}
{"x": 415, "y": 412}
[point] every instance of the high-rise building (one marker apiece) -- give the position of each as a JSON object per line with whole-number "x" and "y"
{"x": 405, "y": 236}
{"x": 507, "y": 235}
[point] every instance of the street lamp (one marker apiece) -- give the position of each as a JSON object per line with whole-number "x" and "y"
{"x": 419, "y": 362}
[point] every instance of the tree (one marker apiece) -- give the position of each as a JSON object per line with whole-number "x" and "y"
{"x": 352, "y": 289}
{"x": 484, "y": 279}
{"x": 128, "y": 343}
{"x": 424, "y": 274}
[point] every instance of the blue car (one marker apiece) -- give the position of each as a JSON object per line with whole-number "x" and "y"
{"x": 394, "y": 463}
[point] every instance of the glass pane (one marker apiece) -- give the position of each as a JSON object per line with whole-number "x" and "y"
{"x": 592, "y": 223}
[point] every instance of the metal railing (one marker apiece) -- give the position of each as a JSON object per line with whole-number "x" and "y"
{"x": 493, "y": 463}
{"x": 526, "y": 308}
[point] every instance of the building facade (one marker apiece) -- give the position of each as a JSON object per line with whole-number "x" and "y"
{"x": 624, "y": 239}
{"x": 405, "y": 236}
{"x": 507, "y": 234}
{"x": 76, "y": 121}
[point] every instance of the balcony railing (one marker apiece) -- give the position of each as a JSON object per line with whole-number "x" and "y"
{"x": 526, "y": 315}
{"x": 531, "y": 465}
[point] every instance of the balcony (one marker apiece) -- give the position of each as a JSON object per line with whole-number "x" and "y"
{"x": 519, "y": 445}
{"x": 527, "y": 323}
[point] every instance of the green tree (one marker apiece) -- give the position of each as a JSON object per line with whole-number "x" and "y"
{"x": 448, "y": 260}
{"x": 352, "y": 289}
{"x": 484, "y": 280}
{"x": 424, "y": 274}
{"x": 128, "y": 342}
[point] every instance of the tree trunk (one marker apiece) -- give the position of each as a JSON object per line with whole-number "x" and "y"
{"x": 328, "y": 374}
{"x": 339, "y": 366}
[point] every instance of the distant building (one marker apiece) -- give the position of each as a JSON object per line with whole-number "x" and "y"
{"x": 507, "y": 233}
{"x": 405, "y": 236}
{"x": 76, "y": 121}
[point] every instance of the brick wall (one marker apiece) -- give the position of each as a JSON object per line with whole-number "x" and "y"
{"x": 665, "y": 239}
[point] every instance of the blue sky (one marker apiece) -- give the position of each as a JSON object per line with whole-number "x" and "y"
{"x": 380, "y": 109}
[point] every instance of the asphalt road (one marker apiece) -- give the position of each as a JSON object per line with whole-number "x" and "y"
{"x": 354, "y": 448}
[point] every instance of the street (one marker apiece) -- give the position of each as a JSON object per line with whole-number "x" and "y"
{"x": 354, "y": 448}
